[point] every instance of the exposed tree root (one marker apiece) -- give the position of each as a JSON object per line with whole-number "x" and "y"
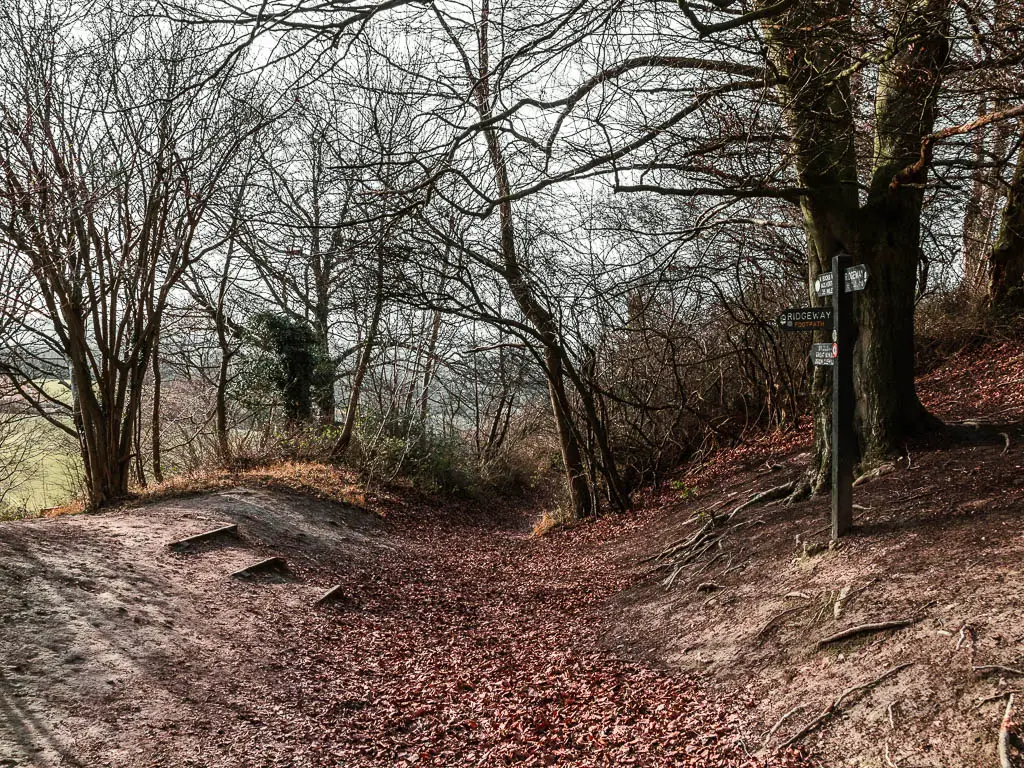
{"x": 875, "y": 473}
{"x": 772, "y": 494}
{"x": 834, "y": 707}
{"x": 690, "y": 549}
{"x": 801, "y": 490}
{"x": 863, "y": 629}
{"x": 784, "y": 718}
{"x": 997, "y": 697}
{"x": 988, "y": 669}
{"x": 773, "y": 621}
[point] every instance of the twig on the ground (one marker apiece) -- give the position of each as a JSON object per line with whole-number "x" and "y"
{"x": 966, "y": 634}
{"x": 987, "y": 669}
{"x": 1005, "y": 437}
{"x": 832, "y": 708}
{"x": 892, "y": 720}
{"x": 997, "y": 697}
{"x": 888, "y": 759}
{"x": 863, "y": 629}
{"x": 778, "y": 617}
{"x": 844, "y": 599}
{"x": 1004, "y": 736}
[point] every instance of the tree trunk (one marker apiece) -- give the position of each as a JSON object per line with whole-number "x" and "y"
{"x": 158, "y": 473}
{"x": 981, "y": 205}
{"x": 428, "y": 365}
{"x": 581, "y": 497}
{"x": 140, "y": 468}
{"x": 223, "y": 443}
{"x": 1006, "y": 264}
{"x": 106, "y": 454}
{"x": 888, "y": 237}
{"x": 888, "y": 409}
{"x": 325, "y": 399}
{"x": 809, "y": 44}
{"x": 363, "y": 364}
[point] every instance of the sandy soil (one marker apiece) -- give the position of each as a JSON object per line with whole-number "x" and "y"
{"x": 117, "y": 651}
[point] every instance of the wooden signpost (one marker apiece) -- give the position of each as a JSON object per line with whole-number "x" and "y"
{"x": 838, "y": 355}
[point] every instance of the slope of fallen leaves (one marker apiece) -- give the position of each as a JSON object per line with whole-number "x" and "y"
{"x": 979, "y": 383}
{"x": 478, "y": 645}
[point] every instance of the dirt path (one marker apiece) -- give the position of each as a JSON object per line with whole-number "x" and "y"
{"x": 462, "y": 642}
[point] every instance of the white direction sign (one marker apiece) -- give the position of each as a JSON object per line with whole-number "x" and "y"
{"x": 856, "y": 278}
{"x": 824, "y": 354}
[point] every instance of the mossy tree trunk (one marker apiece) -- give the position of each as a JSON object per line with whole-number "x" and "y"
{"x": 810, "y": 46}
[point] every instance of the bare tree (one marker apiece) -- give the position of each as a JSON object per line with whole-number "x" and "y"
{"x": 114, "y": 143}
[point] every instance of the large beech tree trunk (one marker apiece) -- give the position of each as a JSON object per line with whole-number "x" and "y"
{"x": 1006, "y": 264}
{"x": 809, "y": 44}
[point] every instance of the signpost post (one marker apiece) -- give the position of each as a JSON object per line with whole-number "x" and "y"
{"x": 843, "y": 436}
{"x": 838, "y": 355}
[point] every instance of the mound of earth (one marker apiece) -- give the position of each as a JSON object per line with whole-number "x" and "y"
{"x": 116, "y": 648}
{"x": 457, "y": 639}
{"x": 937, "y": 558}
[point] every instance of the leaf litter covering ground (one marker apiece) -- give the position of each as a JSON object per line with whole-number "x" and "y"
{"x": 462, "y": 641}
{"x": 480, "y": 647}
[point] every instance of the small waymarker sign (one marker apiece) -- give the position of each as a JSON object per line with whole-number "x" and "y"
{"x": 806, "y": 319}
{"x": 822, "y": 354}
{"x": 855, "y": 278}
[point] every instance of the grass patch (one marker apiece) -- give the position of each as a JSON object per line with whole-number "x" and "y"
{"x": 551, "y": 521}
{"x": 319, "y": 481}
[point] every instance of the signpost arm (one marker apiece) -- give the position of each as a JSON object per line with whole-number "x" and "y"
{"x": 843, "y": 435}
